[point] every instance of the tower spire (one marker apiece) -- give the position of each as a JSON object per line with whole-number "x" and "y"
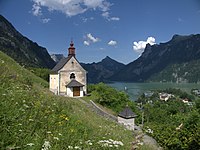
{"x": 71, "y": 49}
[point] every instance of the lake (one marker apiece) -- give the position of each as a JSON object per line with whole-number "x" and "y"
{"x": 136, "y": 89}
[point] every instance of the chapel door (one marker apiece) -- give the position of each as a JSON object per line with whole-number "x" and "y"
{"x": 76, "y": 91}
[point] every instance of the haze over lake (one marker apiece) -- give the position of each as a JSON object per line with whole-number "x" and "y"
{"x": 136, "y": 89}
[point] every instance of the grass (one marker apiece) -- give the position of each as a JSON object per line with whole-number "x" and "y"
{"x": 33, "y": 118}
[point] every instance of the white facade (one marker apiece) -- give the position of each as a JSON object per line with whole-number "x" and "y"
{"x": 54, "y": 83}
{"x": 128, "y": 123}
{"x": 66, "y": 71}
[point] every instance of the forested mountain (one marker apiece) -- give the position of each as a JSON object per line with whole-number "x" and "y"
{"x": 102, "y": 71}
{"x": 176, "y": 60}
{"x": 21, "y": 49}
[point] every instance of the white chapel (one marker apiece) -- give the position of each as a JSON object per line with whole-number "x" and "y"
{"x": 68, "y": 77}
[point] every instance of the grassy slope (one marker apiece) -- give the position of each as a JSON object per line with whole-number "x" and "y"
{"x": 31, "y": 115}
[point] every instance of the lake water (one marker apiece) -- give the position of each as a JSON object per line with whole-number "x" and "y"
{"x": 136, "y": 89}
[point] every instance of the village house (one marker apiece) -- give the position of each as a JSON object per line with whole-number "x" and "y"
{"x": 165, "y": 96}
{"x": 68, "y": 77}
{"x": 196, "y": 92}
{"x": 127, "y": 118}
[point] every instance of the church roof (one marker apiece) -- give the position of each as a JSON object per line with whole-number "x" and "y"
{"x": 61, "y": 64}
{"x": 74, "y": 83}
{"x": 127, "y": 113}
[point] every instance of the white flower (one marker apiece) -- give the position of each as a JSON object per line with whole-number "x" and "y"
{"x": 56, "y": 138}
{"x": 70, "y": 147}
{"x": 46, "y": 145}
{"x": 30, "y": 144}
{"x": 77, "y": 147}
{"x": 90, "y": 143}
{"x": 60, "y": 134}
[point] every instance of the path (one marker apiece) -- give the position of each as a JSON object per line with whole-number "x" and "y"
{"x": 140, "y": 137}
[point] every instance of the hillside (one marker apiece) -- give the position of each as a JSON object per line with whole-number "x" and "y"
{"x": 32, "y": 118}
{"x": 21, "y": 49}
{"x": 176, "y": 60}
{"x": 102, "y": 71}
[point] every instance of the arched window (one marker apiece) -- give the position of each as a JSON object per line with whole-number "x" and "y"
{"x": 72, "y": 76}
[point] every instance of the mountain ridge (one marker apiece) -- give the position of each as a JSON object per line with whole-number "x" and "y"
{"x": 103, "y": 70}
{"x": 26, "y": 52}
{"x": 155, "y": 58}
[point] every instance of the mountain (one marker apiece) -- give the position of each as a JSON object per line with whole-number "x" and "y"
{"x": 176, "y": 60}
{"x": 21, "y": 49}
{"x": 57, "y": 57}
{"x": 102, "y": 71}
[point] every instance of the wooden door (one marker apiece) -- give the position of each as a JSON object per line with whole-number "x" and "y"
{"x": 76, "y": 91}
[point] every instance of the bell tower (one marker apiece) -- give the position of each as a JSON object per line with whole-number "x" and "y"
{"x": 71, "y": 49}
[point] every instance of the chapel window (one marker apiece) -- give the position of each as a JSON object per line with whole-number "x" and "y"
{"x": 72, "y": 76}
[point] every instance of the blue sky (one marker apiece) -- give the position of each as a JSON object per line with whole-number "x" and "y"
{"x": 99, "y": 28}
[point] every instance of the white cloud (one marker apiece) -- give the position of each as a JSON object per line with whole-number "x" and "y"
{"x": 86, "y": 43}
{"x": 115, "y": 18}
{"x": 90, "y": 39}
{"x": 112, "y": 43}
{"x": 140, "y": 46}
{"x": 106, "y": 15}
{"x": 46, "y": 20}
{"x": 36, "y": 10}
{"x": 70, "y": 7}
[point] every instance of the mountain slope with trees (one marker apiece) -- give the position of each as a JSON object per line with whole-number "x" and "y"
{"x": 102, "y": 71}
{"x": 179, "y": 50}
{"x": 21, "y": 49}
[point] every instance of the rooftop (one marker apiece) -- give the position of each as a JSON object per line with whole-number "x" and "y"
{"x": 127, "y": 113}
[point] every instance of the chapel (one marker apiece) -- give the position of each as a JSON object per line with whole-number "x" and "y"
{"x": 68, "y": 77}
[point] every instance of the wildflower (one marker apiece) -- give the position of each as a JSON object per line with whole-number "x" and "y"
{"x": 26, "y": 106}
{"x": 90, "y": 143}
{"x": 56, "y": 138}
{"x": 60, "y": 134}
{"x": 70, "y": 147}
{"x": 66, "y": 118}
{"x": 77, "y": 147}
{"x": 46, "y": 145}
{"x": 48, "y": 132}
{"x": 20, "y": 130}
{"x": 116, "y": 146}
{"x": 72, "y": 130}
{"x": 31, "y": 119}
{"x": 30, "y": 144}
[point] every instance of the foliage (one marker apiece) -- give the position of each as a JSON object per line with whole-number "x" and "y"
{"x": 41, "y": 72}
{"x": 32, "y": 118}
{"x": 174, "y": 125}
{"x": 182, "y": 72}
{"x": 110, "y": 97}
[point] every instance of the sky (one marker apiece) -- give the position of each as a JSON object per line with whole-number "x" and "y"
{"x": 119, "y": 29}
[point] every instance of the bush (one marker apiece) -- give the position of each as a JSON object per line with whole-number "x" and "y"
{"x": 110, "y": 97}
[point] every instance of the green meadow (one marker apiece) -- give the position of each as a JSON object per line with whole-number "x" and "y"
{"x": 33, "y": 118}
